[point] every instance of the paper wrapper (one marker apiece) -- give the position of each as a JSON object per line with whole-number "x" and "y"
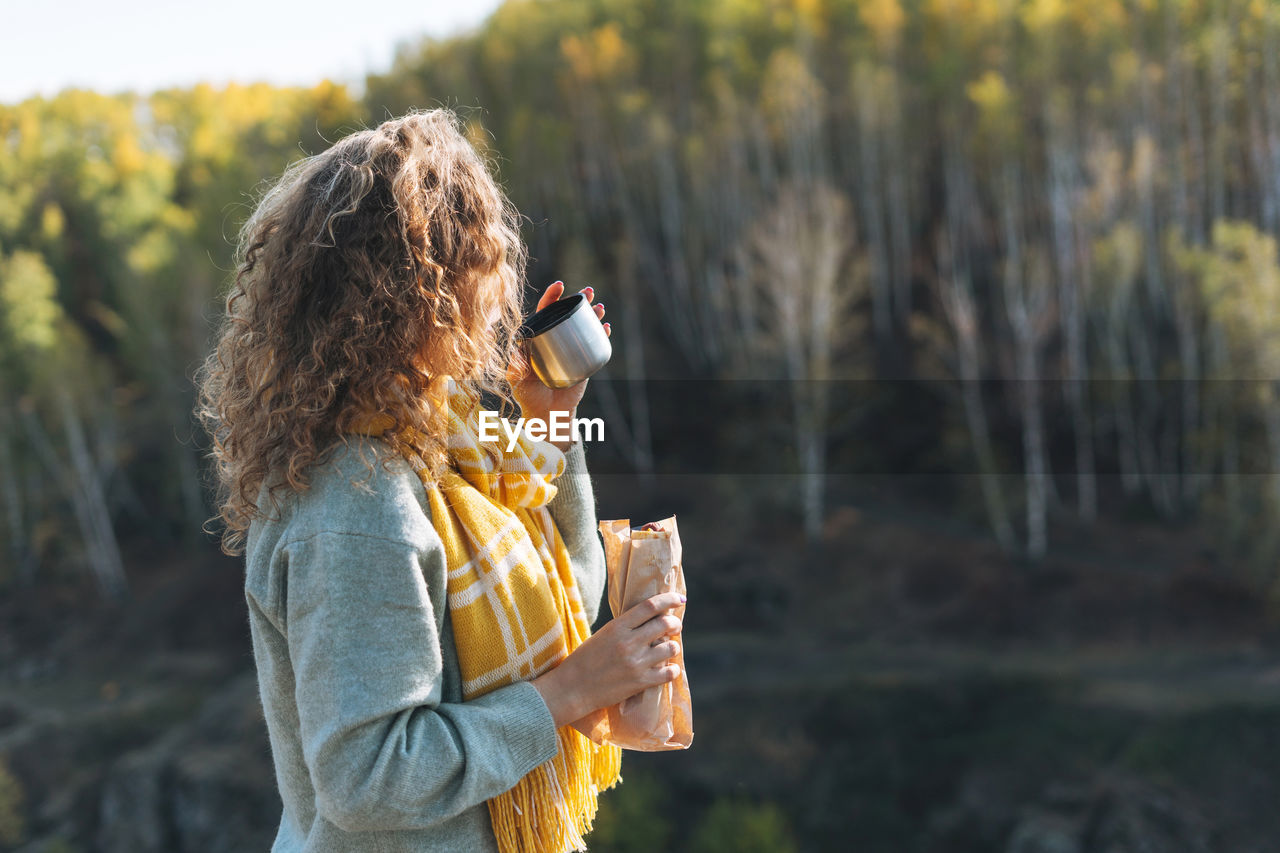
{"x": 641, "y": 564}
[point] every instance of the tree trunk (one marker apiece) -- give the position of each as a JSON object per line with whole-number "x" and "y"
{"x": 81, "y": 485}
{"x": 1026, "y": 301}
{"x": 958, "y": 302}
{"x": 1063, "y": 184}
{"x": 11, "y": 491}
{"x": 869, "y": 195}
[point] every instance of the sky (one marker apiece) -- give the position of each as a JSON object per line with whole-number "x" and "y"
{"x": 146, "y": 45}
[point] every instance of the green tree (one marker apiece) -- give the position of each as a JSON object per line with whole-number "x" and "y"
{"x": 733, "y": 825}
{"x": 632, "y": 817}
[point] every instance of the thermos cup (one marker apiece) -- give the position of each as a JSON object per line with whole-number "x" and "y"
{"x": 566, "y": 342}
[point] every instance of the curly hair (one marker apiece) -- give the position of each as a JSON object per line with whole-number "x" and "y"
{"x": 365, "y": 275}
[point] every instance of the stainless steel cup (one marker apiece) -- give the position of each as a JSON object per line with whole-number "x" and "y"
{"x": 566, "y": 342}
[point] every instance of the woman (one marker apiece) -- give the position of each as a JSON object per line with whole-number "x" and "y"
{"x": 419, "y": 602}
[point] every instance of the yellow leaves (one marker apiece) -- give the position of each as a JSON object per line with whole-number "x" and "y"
{"x": 204, "y": 141}
{"x": 997, "y": 114}
{"x": 29, "y": 309}
{"x": 1263, "y": 12}
{"x": 1125, "y": 68}
{"x": 884, "y": 18}
{"x": 159, "y": 247}
{"x": 1243, "y": 266}
{"x": 969, "y": 16}
{"x": 52, "y": 222}
{"x": 792, "y": 98}
{"x": 984, "y": 28}
{"x": 127, "y": 158}
{"x": 28, "y": 132}
{"x": 601, "y": 55}
{"x": 12, "y": 808}
{"x": 151, "y": 253}
{"x": 634, "y": 102}
{"x": 1238, "y": 275}
{"x": 1096, "y": 18}
{"x": 100, "y": 146}
{"x": 211, "y": 123}
{"x": 178, "y": 220}
{"x": 332, "y": 103}
{"x": 14, "y": 202}
{"x": 575, "y": 50}
{"x": 1118, "y": 256}
{"x": 810, "y": 13}
{"x": 1041, "y": 17}
{"x": 990, "y": 93}
{"x": 611, "y": 52}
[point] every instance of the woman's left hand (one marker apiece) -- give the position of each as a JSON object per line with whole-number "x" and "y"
{"x": 537, "y": 400}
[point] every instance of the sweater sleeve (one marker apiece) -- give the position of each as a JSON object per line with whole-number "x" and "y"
{"x": 383, "y": 751}
{"x": 574, "y": 511}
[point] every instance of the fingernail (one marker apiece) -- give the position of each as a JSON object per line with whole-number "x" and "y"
{"x": 683, "y": 598}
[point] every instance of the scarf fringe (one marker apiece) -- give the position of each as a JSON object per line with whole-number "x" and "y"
{"x": 551, "y": 808}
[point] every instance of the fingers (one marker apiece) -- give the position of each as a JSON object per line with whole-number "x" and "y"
{"x": 641, "y": 613}
{"x": 556, "y": 291}
{"x": 608, "y": 330}
{"x": 551, "y": 294}
{"x": 660, "y": 626}
{"x": 663, "y": 649}
{"x": 663, "y": 653}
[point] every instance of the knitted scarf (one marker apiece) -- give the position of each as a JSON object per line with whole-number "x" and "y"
{"x": 515, "y": 609}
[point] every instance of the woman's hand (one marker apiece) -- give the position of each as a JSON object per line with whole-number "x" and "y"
{"x": 535, "y": 399}
{"x": 621, "y": 659}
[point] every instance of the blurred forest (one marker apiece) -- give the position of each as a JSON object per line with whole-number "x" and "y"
{"x": 1012, "y": 261}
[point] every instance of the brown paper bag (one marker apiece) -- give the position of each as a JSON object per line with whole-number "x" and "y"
{"x": 642, "y": 563}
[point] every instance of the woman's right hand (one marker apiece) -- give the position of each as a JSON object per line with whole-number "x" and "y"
{"x": 620, "y": 660}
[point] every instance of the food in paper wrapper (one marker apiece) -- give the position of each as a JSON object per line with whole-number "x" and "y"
{"x": 642, "y": 563}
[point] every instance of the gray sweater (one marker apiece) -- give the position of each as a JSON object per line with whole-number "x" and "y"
{"x": 374, "y": 749}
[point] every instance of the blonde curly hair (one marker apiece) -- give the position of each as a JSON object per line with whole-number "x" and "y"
{"x": 365, "y": 275}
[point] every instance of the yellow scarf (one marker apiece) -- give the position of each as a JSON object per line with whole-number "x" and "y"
{"x": 515, "y": 609}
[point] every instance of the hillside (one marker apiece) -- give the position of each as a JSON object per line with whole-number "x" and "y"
{"x": 902, "y": 683}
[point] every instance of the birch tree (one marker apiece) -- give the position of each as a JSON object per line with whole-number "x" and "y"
{"x": 802, "y": 250}
{"x": 1025, "y": 292}
{"x": 1064, "y": 189}
{"x": 47, "y": 349}
{"x": 955, "y": 292}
